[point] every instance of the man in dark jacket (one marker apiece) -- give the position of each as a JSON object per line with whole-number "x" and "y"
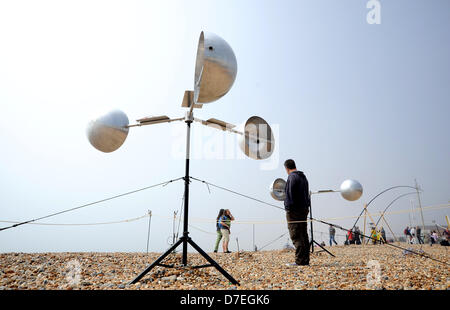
{"x": 297, "y": 204}
{"x": 419, "y": 234}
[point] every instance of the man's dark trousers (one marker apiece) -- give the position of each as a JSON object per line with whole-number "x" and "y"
{"x": 299, "y": 235}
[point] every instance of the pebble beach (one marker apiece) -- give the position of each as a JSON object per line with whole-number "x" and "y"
{"x": 374, "y": 267}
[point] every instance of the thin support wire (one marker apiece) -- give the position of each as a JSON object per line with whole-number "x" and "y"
{"x": 88, "y": 204}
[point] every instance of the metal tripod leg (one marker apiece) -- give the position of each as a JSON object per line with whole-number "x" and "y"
{"x": 312, "y": 245}
{"x": 156, "y": 262}
{"x": 312, "y": 232}
{"x": 212, "y": 262}
{"x": 186, "y": 240}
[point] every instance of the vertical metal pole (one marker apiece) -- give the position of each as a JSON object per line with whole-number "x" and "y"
{"x": 185, "y": 239}
{"x": 311, "y": 224}
{"x": 173, "y": 226}
{"x": 189, "y": 118}
{"x": 393, "y": 235}
{"x": 254, "y": 248}
{"x": 149, "y": 222}
{"x": 365, "y": 220}
{"x": 420, "y": 205}
{"x": 411, "y": 213}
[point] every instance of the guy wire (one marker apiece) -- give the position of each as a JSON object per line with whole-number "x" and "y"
{"x": 89, "y": 204}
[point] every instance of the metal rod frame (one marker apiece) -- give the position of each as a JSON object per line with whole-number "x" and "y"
{"x": 149, "y": 223}
{"x": 367, "y": 205}
{"x": 390, "y": 204}
{"x": 185, "y": 239}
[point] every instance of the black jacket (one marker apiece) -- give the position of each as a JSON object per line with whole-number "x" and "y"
{"x": 297, "y": 192}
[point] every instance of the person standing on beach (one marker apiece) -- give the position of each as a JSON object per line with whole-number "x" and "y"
{"x": 446, "y": 234}
{"x": 433, "y": 238}
{"x": 378, "y": 237}
{"x": 225, "y": 225}
{"x": 332, "y": 234}
{"x": 297, "y": 204}
{"x": 412, "y": 232}
{"x": 419, "y": 234}
{"x": 219, "y": 233}
{"x": 350, "y": 237}
{"x": 357, "y": 235}
{"x": 383, "y": 235}
{"x": 407, "y": 234}
{"x": 373, "y": 235}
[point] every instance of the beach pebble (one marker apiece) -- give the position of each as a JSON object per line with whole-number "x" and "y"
{"x": 266, "y": 270}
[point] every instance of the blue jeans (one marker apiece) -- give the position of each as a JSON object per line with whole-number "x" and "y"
{"x": 332, "y": 240}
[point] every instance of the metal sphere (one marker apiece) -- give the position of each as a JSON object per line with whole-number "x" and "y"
{"x": 108, "y": 132}
{"x": 258, "y": 141}
{"x": 351, "y": 190}
{"x": 278, "y": 189}
{"x": 215, "y": 68}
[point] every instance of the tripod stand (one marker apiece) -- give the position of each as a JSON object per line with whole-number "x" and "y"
{"x": 185, "y": 239}
{"x": 312, "y": 242}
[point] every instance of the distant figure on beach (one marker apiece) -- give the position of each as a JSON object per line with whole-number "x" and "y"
{"x": 412, "y": 232}
{"x": 357, "y": 235}
{"x": 350, "y": 239}
{"x": 373, "y": 235}
{"x": 332, "y": 231}
{"x": 383, "y": 235}
{"x": 407, "y": 234}
{"x": 378, "y": 237}
{"x": 446, "y": 235}
{"x": 224, "y": 225}
{"x": 433, "y": 238}
{"x": 419, "y": 234}
{"x": 219, "y": 233}
{"x": 296, "y": 204}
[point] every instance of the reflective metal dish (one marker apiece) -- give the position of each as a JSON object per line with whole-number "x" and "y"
{"x": 257, "y": 142}
{"x": 278, "y": 189}
{"x": 215, "y": 68}
{"x": 108, "y": 132}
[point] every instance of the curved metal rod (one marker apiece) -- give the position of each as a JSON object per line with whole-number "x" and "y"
{"x": 392, "y": 202}
{"x": 393, "y": 187}
{"x": 389, "y": 190}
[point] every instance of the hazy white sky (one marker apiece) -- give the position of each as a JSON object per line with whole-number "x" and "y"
{"x": 348, "y": 99}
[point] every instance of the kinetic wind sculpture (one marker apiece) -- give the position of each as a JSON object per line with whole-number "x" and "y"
{"x": 215, "y": 72}
{"x": 350, "y": 190}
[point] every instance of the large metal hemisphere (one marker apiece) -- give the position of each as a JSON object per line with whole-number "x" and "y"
{"x": 215, "y": 68}
{"x": 108, "y": 132}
